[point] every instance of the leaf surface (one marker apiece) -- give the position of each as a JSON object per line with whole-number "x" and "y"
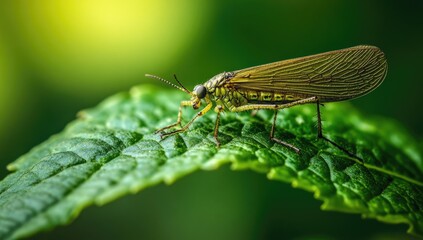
{"x": 111, "y": 150}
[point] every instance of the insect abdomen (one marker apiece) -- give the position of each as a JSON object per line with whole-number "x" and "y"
{"x": 268, "y": 97}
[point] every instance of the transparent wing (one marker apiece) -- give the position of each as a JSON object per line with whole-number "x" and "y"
{"x": 331, "y": 76}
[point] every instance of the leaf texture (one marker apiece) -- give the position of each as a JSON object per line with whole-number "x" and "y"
{"x": 111, "y": 151}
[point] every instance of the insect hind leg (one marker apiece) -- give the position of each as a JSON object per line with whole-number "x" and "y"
{"x": 272, "y": 135}
{"x": 275, "y": 108}
{"x": 321, "y": 136}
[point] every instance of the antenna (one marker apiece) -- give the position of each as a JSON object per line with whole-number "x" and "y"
{"x": 180, "y": 84}
{"x": 182, "y": 88}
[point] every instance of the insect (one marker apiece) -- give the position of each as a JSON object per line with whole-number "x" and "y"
{"x": 326, "y": 77}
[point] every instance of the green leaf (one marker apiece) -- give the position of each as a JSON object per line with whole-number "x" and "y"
{"x": 110, "y": 151}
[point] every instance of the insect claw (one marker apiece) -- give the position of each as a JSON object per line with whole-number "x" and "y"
{"x": 163, "y": 135}
{"x": 217, "y": 143}
{"x": 285, "y": 144}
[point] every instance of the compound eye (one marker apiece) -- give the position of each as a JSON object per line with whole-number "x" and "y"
{"x": 200, "y": 91}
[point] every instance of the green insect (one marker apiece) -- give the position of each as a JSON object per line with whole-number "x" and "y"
{"x": 326, "y": 77}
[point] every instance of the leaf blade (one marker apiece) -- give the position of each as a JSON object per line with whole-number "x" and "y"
{"x": 110, "y": 151}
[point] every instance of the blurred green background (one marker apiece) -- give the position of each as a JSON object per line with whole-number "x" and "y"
{"x": 58, "y": 57}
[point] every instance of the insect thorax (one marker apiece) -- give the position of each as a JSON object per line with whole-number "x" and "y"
{"x": 220, "y": 90}
{"x": 218, "y": 81}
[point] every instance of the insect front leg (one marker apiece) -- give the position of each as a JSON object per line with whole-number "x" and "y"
{"x": 218, "y": 109}
{"x": 199, "y": 114}
{"x": 178, "y": 122}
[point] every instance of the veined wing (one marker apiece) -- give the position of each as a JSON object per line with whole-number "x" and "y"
{"x": 331, "y": 76}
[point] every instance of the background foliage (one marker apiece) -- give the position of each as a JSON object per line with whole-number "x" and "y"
{"x": 58, "y": 57}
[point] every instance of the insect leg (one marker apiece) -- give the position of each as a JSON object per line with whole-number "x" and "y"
{"x": 199, "y": 114}
{"x": 272, "y": 133}
{"x": 178, "y": 122}
{"x": 218, "y": 109}
{"x": 319, "y": 121}
{"x": 320, "y": 135}
{"x": 275, "y": 107}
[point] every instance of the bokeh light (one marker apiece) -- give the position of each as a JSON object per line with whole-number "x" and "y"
{"x": 75, "y": 46}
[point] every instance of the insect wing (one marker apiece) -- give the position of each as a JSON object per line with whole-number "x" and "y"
{"x": 331, "y": 76}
